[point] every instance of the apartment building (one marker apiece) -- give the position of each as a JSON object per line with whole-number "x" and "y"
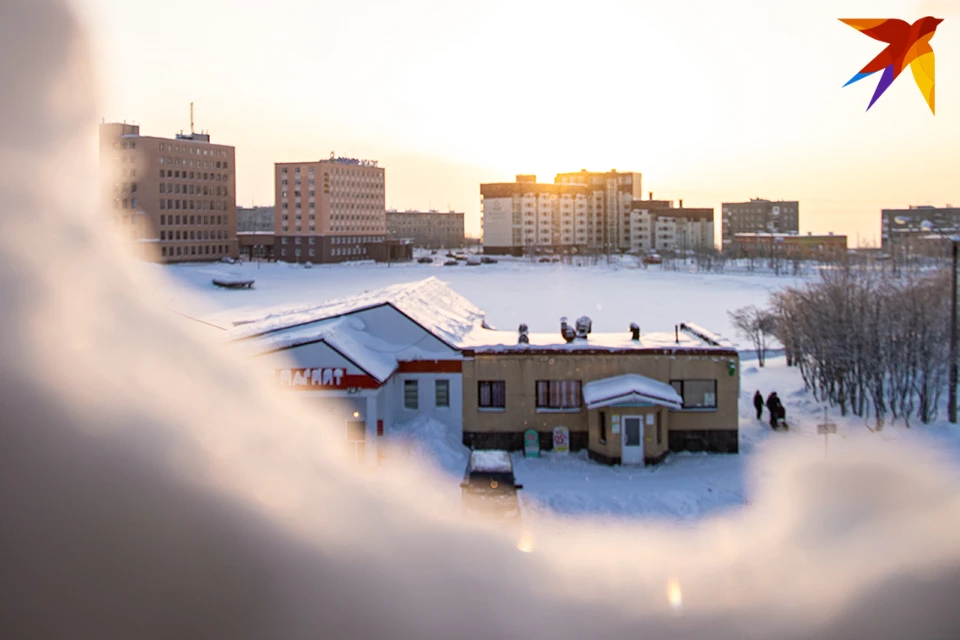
{"x": 427, "y": 229}
{"x": 579, "y": 212}
{"x": 759, "y": 216}
{"x": 329, "y": 210}
{"x": 658, "y": 226}
{"x": 902, "y": 234}
{"x": 174, "y": 197}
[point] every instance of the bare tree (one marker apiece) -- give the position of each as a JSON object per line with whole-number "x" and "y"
{"x": 756, "y": 325}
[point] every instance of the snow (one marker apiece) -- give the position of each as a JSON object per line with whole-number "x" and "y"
{"x": 630, "y": 387}
{"x": 487, "y": 341}
{"x": 490, "y": 461}
{"x": 704, "y": 334}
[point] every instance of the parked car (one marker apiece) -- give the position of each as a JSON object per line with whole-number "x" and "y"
{"x": 544, "y": 259}
{"x": 460, "y": 256}
{"x": 652, "y": 258}
{"x": 488, "y": 260}
{"x": 450, "y": 263}
{"x": 229, "y": 260}
{"x": 425, "y": 260}
{"x": 489, "y": 487}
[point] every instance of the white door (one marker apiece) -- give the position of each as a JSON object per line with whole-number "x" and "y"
{"x": 631, "y": 440}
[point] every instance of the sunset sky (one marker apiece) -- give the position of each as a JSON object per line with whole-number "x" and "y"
{"x": 712, "y": 101}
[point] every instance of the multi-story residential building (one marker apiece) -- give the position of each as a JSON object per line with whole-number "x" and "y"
{"x": 759, "y": 216}
{"x": 656, "y": 225}
{"x": 427, "y": 229}
{"x": 176, "y": 196}
{"x": 903, "y": 235}
{"x": 579, "y": 212}
{"x": 329, "y": 211}
{"x": 254, "y": 219}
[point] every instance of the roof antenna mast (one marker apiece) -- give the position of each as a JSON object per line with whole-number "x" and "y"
{"x": 191, "y": 118}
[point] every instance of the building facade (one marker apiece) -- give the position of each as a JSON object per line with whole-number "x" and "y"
{"x": 658, "y": 226}
{"x": 255, "y": 219}
{"x": 759, "y": 216}
{"x": 329, "y": 210}
{"x": 579, "y": 212}
{"x": 809, "y": 247}
{"x": 902, "y": 234}
{"x": 427, "y": 229}
{"x": 175, "y": 197}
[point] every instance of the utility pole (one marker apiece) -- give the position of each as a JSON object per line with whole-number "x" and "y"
{"x": 953, "y": 335}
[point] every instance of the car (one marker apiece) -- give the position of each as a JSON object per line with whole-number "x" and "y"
{"x": 489, "y": 487}
{"x": 450, "y": 263}
{"x": 544, "y": 259}
{"x": 425, "y": 260}
{"x": 488, "y": 260}
{"x": 229, "y": 260}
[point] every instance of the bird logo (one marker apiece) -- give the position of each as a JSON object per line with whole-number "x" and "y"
{"x": 907, "y": 44}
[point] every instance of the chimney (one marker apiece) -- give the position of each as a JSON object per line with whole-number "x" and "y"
{"x": 524, "y": 338}
{"x": 651, "y": 195}
{"x": 634, "y": 331}
{"x": 681, "y": 203}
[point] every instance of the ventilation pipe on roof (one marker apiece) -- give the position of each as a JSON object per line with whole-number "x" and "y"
{"x": 681, "y": 203}
{"x": 634, "y": 331}
{"x": 566, "y": 330}
{"x": 676, "y": 332}
{"x": 524, "y": 338}
{"x": 584, "y": 325}
{"x": 651, "y": 195}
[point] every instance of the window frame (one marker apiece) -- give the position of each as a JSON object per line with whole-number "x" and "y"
{"x": 414, "y": 384}
{"x": 491, "y": 406}
{"x": 551, "y": 393}
{"x": 680, "y": 391}
{"x": 436, "y": 393}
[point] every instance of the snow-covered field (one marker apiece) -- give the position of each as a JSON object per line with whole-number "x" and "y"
{"x": 686, "y": 486}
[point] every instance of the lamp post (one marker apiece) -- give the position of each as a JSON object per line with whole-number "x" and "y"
{"x": 955, "y": 244}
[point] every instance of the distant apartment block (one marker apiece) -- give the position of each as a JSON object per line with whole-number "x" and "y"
{"x": 329, "y": 211}
{"x": 810, "y": 247}
{"x": 427, "y": 229}
{"x": 759, "y": 216}
{"x": 587, "y": 213}
{"x": 901, "y": 230}
{"x": 175, "y": 197}
{"x": 254, "y": 219}
{"x": 582, "y": 211}
{"x": 658, "y": 226}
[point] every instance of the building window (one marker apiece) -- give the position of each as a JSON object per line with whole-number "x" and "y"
{"x": 410, "y": 394}
{"x": 442, "y": 393}
{"x": 602, "y": 417}
{"x": 492, "y": 394}
{"x": 558, "y": 394}
{"x": 697, "y": 394}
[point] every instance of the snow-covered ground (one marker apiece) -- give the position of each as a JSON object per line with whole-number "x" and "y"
{"x": 510, "y": 292}
{"x": 685, "y": 486}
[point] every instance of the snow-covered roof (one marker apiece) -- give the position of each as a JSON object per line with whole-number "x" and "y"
{"x": 711, "y": 338}
{"x": 490, "y": 462}
{"x": 430, "y": 303}
{"x": 345, "y": 335}
{"x": 630, "y": 387}
{"x": 482, "y": 340}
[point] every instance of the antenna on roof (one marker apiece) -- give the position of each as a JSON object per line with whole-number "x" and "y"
{"x": 191, "y": 118}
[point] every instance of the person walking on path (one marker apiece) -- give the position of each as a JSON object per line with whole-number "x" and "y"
{"x": 773, "y": 405}
{"x": 758, "y": 403}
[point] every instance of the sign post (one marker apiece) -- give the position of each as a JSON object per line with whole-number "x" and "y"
{"x": 561, "y": 440}
{"x": 531, "y": 443}
{"x": 826, "y": 429}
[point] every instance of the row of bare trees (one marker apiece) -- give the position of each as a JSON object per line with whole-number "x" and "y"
{"x": 870, "y": 344}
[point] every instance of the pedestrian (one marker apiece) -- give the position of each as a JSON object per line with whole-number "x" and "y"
{"x": 773, "y": 403}
{"x": 758, "y": 403}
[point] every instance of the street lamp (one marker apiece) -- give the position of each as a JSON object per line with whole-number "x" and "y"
{"x": 926, "y": 225}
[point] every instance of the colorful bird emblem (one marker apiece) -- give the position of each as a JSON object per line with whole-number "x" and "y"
{"x": 907, "y": 44}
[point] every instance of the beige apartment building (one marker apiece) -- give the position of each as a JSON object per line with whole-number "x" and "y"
{"x": 174, "y": 197}
{"x": 658, "y": 226}
{"x": 329, "y": 211}
{"x": 427, "y": 229}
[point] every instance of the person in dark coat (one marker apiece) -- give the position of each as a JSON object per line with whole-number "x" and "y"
{"x": 773, "y": 404}
{"x": 758, "y": 403}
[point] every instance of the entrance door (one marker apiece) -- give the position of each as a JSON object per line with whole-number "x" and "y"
{"x": 631, "y": 447}
{"x": 356, "y": 440}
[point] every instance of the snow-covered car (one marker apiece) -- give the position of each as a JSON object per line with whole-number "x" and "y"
{"x": 489, "y": 488}
{"x": 488, "y": 260}
{"x": 425, "y": 260}
{"x": 450, "y": 263}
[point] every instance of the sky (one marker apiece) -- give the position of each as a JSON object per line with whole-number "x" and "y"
{"x": 711, "y": 101}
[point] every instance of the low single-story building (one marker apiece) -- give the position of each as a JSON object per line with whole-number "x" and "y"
{"x": 625, "y": 397}
{"x": 388, "y": 356}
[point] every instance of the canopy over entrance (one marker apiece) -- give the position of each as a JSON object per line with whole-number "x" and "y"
{"x": 630, "y": 388}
